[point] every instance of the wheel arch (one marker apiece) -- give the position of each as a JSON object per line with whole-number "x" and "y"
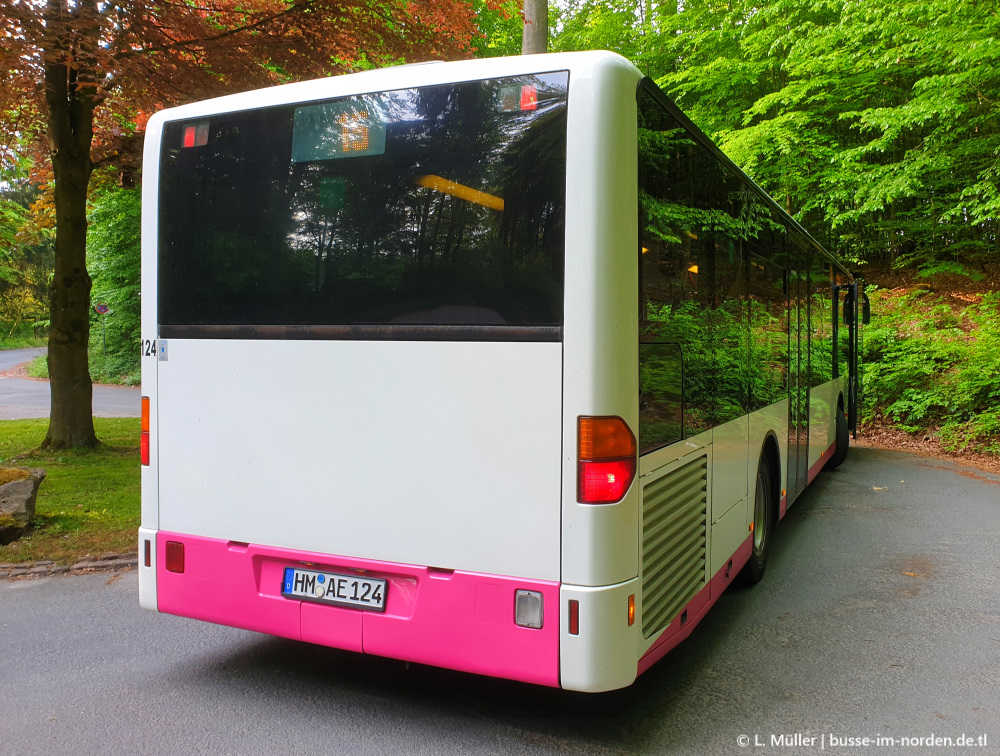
{"x": 772, "y": 452}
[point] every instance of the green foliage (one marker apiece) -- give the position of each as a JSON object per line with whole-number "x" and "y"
{"x": 113, "y": 260}
{"x": 874, "y": 123}
{"x": 26, "y": 252}
{"x": 932, "y": 364}
{"x": 501, "y": 29}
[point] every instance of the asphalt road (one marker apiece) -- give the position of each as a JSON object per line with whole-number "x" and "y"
{"x": 879, "y": 615}
{"x": 20, "y": 398}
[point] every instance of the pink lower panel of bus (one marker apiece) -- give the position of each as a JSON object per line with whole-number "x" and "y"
{"x": 820, "y": 463}
{"x": 696, "y": 608}
{"x": 459, "y": 620}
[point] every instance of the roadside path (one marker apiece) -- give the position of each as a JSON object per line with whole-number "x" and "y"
{"x": 21, "y": 398}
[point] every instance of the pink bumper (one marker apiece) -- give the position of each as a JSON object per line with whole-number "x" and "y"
{"x": 458, "y": 620}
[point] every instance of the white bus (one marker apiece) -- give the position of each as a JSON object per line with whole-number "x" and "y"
{"x": 496, "y": 365}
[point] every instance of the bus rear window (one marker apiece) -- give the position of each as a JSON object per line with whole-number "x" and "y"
{"x": 369, "y": 216}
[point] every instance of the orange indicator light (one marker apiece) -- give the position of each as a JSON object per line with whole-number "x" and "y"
{"x": 751, "y": 527}
{"x": 631, "y": 610}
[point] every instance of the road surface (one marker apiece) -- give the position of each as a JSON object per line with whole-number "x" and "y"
{"x": 21, "y": 398}
{"x": 879, "y": 616}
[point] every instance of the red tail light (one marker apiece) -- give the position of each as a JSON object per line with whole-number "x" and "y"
{"x": 144, "y": 432}
{"x": 605, "y": 482}
{"x": 606, "y": 459}
{"x": 175, "y": 556}
{"x": 574, "y": 617}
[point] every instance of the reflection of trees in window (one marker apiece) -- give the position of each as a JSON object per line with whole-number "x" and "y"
{"x": 459, "y": 220}
{"x": 820, "y": 321}
{"x": 699, "y": 225}
{"x": 768, "y": 358}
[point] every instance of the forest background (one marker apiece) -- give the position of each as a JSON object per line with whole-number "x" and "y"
{"x": 875, "y": 123}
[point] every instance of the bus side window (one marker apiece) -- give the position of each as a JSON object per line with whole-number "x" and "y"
{"x": 695, "y": 219}
{"x": 821, "y": 347}
{"x": 768, "y": 364}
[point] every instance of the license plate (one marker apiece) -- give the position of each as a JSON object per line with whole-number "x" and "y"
{"x": 332, "y": 588}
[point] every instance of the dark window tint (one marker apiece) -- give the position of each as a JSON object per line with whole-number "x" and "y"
{"x": 693, "y": 278}
{"x": 440, "y": 208}
{"x": 821, "y": 344}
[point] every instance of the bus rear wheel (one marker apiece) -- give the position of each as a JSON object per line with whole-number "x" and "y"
{"x": 842, "y": 442}
{"x": 763, "y": 521}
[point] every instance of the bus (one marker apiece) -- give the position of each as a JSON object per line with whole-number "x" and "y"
{"x": 494, "y": 365}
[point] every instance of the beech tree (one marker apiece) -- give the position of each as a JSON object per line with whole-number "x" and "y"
{"x": 535, "y": 38}
{"x": 81, "y": 77}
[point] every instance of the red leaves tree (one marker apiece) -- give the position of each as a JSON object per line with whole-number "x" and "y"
{"x": 79, "y": 78}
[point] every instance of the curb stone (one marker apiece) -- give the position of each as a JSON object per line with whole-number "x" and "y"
{"x": 87, "y": 565}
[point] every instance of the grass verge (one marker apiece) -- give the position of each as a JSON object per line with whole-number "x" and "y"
{"x": 102, "y": 370}
{"x": 22, "y": 342}
{"x": 89, "y": 501}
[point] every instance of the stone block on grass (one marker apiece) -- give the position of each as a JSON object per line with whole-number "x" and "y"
{"x": 18, "y": 490}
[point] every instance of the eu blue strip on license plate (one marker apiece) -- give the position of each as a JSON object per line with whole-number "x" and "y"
{"x": 333, "y": 588}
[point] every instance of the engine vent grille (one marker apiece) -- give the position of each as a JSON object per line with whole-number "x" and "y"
{"x": 674, "y": 542}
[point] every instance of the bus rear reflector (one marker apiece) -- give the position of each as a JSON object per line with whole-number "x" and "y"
{"x": 144, "y": 432}
{"x": 574, "y": 617}
{"x": 175, "y": 556}
{"x": 606, "y": 459}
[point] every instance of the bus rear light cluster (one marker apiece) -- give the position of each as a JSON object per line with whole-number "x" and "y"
{"x": 144, "y": 433}
{"x": 606, "y": 459}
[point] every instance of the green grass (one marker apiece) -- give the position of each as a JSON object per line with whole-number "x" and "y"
{"x": 22, "y": 342}
{"x": 89, "y": 501}
{"x": 102, "y": 370}
{"x": 22, "y": 336}
{"x": 39, "y": 367}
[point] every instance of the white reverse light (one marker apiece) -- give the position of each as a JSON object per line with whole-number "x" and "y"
{"x": 528, "y": 610}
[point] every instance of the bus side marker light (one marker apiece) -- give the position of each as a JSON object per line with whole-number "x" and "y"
{"x": 144, "y": 433}
{"x": 606, "y": 454}
{"x": 147, "y": 553}
{"x": 751, "y": 527}
{"x": 528, "y": 609}
{"x": 574, "y": 617}
{"x": 175, "y": 557}
{"x": 631, "y": 610}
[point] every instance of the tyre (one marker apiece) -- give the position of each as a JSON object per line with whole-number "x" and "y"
{"x": 843, "y": 441}
{"x": 763, "y": 521}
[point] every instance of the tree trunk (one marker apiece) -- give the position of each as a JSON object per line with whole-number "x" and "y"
{"x": 535, "y": 38}
{"x": 70, "y": 93}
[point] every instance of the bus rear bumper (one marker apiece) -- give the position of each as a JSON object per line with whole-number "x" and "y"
{"x": 453, "y": 619}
